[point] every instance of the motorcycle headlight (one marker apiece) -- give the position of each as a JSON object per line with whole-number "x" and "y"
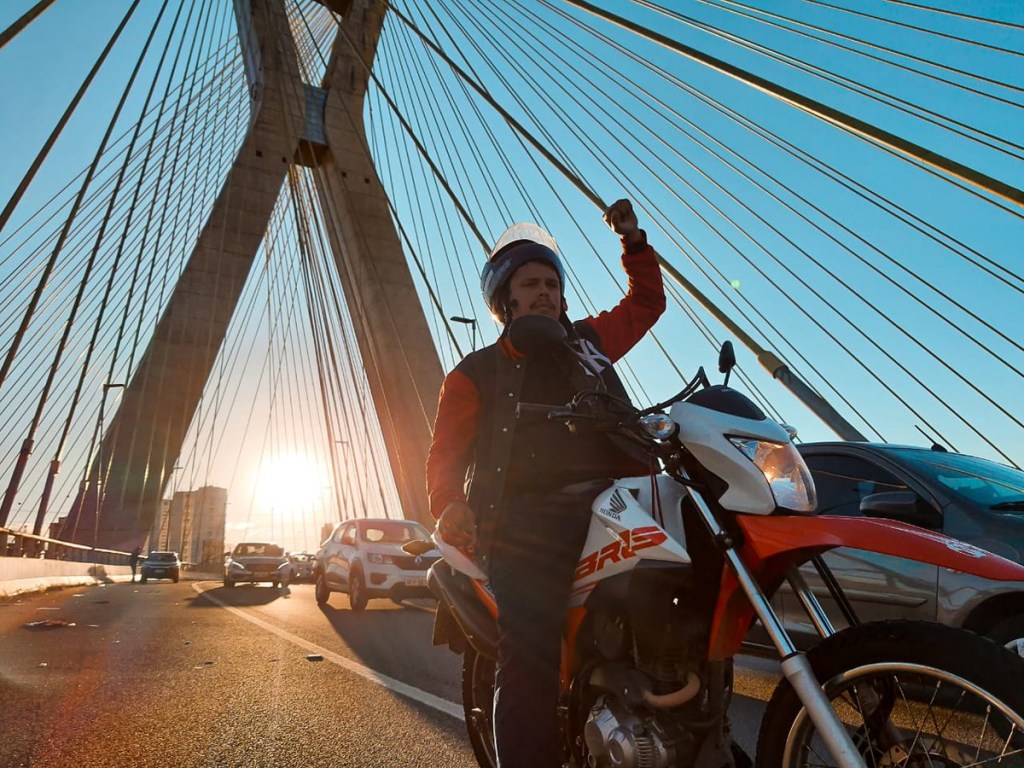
{"x": 379, "y": 559}
{"x": 659, "y": 426}
{"x": 784, "y": 469}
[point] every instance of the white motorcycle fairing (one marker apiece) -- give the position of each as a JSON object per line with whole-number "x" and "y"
{"x": 623, "y": 531}
{"x": 633, "y": 519}
{"x": 706, "y": 433}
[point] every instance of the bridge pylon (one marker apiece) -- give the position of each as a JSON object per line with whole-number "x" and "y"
{"x": 291, "y": 123}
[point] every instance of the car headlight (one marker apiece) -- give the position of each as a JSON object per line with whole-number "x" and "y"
{"x": 378, "y": 559}
{"x": 233, "y": 565}
{"x": 784, "y": 469}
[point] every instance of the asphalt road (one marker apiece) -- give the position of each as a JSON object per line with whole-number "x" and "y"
{"x": 191, "y": 674}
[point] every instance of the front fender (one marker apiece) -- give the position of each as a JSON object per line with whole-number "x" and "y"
{"x": 774, "y": 544}
{"x": 771, "y": 537}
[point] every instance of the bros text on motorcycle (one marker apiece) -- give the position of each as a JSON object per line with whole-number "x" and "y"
{"x": 678, "y": 565}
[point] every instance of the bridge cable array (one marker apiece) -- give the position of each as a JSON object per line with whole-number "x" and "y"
{"x": 480, "y": 114}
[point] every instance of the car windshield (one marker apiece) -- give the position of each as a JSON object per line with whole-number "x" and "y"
{"x": 980, "y": 481}
{"x": 161, "y": 557}
{"x": 261, "y": 550}
{"x": 394, "y": 533}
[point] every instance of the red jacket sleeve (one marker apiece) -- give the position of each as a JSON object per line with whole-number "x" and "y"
{"x": 625, "y": 324}
{"x": 451, "y": 450}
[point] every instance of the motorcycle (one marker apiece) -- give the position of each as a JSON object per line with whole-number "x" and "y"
{"x": 675, "y": 569}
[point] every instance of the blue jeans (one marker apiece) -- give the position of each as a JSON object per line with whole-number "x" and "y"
{"x": 536, "y": 548}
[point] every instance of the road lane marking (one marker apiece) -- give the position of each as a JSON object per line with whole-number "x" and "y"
{"x": 409, "y": 691}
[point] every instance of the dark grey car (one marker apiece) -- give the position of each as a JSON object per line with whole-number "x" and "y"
{"x": 161, "y": 565}
{"x": 974, "y": 500}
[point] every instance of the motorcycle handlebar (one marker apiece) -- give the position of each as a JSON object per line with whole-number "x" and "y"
{"x": 569, "y": 414}
{"x": 538, "y": 410}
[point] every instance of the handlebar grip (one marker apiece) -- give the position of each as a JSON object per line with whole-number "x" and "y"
{"x": 539, "y": 410}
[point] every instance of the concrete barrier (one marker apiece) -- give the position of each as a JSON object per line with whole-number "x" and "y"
{"x": 19, "y": 575}
{"x": 22, "y": 574}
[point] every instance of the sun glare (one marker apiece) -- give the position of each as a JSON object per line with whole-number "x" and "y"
{"x": 290, "y": 480}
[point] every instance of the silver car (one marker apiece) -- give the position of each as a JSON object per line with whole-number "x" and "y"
{"x": 302, "y": 567}
{"x": 256, "y": 561}
{"x": 971, "y": 499}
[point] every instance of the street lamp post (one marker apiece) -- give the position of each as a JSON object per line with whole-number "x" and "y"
{"x": 343, "y": 498}
{"x": 470, "y": 321}
{"x": 101, "y": 475}
{"x": 170, "y": 505}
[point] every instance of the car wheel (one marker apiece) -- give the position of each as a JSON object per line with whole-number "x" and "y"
{"x": 1010, "y": 632}
{"x": 275, "y": 584}
{"x": 228, "y": 583}
{"x": 174, "y": 579}
{"x": 357, "y": 591}
{"x": 142, "y": 579}
{"x": 321, "y": 590}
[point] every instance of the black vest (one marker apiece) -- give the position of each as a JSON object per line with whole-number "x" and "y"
{"x": 513, "y": 459}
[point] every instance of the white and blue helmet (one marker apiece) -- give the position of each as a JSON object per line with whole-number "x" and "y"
{"x": 520, "y": 244}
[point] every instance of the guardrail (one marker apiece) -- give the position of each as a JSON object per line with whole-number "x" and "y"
{"x": 19, "y": 544}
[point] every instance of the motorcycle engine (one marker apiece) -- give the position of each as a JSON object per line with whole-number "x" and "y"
{"x": 617, "y": 737}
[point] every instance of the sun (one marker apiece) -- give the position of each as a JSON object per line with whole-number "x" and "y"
{"x": 289, "y": 480}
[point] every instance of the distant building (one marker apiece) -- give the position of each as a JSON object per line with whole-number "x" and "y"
{"x": 192, "y": 524}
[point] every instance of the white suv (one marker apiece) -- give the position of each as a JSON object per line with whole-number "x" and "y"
{"x": 365, "y": 559}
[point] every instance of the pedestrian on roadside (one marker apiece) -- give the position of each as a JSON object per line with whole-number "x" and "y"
{"x": 133, "y": 561}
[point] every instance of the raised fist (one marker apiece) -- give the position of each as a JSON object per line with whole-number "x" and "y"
{"x": 621, "y": 218}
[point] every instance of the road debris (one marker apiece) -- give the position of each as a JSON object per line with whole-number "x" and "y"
{"x": 49, "y": 624}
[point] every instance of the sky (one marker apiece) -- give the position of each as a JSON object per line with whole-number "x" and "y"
{"x": 890, "y": 290}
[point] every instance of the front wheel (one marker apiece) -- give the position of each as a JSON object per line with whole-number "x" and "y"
{"x": 357, "y": 591}
{"x": 478, "y": 705}
{"x": 320, "y": 589}
{"x": 910, "y": 694}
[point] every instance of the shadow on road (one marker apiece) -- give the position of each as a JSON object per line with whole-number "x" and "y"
{"x": 243, "y": 595}
{"x": 376, "y": 636}
{"x": 99, "y": 573}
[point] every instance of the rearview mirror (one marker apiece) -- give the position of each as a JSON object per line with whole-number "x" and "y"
{"x": 418, "y": 547}
{"x": 904, "y": 506}
{"x": 726, "y": 360}
{"x": 726, "y": 357}
{"x": 535, "y": 334}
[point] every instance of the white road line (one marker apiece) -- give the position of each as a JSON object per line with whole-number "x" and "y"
{"x": 411, "y": 692}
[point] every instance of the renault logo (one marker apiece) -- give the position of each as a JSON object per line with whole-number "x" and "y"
{"x": 418, "y": 560}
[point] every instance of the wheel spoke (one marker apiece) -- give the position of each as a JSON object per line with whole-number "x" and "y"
{"x": 935, "y": 726}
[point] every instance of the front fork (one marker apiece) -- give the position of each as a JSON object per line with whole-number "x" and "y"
{"x": 795, "y": 666}
{"x": 873, "y": 701}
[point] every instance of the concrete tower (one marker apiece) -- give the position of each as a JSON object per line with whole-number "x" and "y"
{"x": 318, "y": 126}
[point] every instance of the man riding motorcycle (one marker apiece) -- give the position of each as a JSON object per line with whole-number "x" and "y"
{"x": 527, "y": 510}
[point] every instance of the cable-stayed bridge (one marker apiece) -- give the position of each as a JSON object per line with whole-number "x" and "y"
{"x": 221, "y": 221}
